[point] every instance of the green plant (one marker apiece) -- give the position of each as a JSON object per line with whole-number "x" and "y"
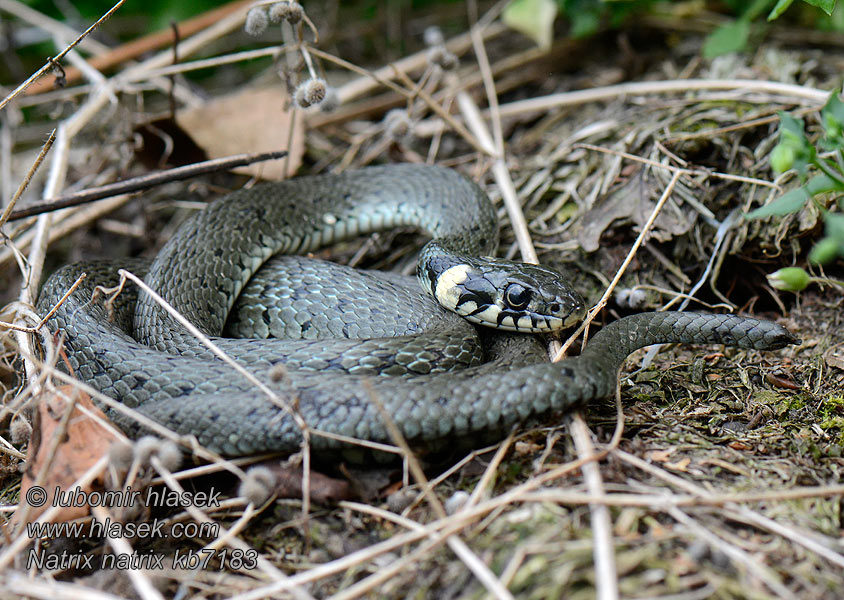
{"x": 733, "y": 36}
{"x": 796, "y": 151}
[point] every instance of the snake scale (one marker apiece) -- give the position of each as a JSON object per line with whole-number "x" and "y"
{"x": 133, "y": 351}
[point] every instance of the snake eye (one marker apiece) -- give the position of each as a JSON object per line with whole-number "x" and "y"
{"x": 517, "y": 296}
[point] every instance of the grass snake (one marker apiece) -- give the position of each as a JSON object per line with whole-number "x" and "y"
{"x": 237, "y": 247}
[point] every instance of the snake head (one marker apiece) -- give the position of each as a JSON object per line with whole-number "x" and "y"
{"x": 509, "y": 295}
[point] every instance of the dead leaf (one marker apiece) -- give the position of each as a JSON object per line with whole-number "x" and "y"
{"x": 781, "y": 382}
{"x": 681, "y": 465}
{"x": 323, "y": 489}
{"x": 660, "y": 455}
{"x": 254, "y": 120}
{"x": 834, "y": 357}
{"x": 83, "y": 443}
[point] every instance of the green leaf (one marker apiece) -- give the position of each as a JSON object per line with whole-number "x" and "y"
{"x": 791, "y": 135}
{"x": 820, "y": 184}
{"x": 788, "y": 203}
{"x": 731, "y": 37}
{"x": 835, "y": 226}
{"x": 779, "y": 9}
{"x": 832, "y": 117}
{"x": 826, "y": 250}
{"x": 533, "y": 18}
{"x": 824, "y": 5}
{"x": 789, "y": 126}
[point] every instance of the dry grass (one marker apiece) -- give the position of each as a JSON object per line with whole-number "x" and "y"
{"x": 720, "y": 480}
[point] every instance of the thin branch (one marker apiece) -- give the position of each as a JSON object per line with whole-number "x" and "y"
{"x": 143, "y": 182}
{"x": 55, "y": 60}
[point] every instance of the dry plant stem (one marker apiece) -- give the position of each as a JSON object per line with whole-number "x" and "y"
{"x": 765, "y": 575}
{"x": 664, "y": 502}
{"x": 198, "y": 515}
{"x": 139, "y": 578}
{"x": 143, "y": 182}
{"x": 112, "y": 57}
{"x": 684, "y": 171}
{"x": 613, "y": 92}
{"x": 469, "y": 558}
{"x": 606, "y": 573}
{"x": 7, "y": 212}
{"x": 502, "y": 176}
{"x": 19, "y": 585}
{"x": 639, "y": 240}
{"x": 57, "y": 57}
{"x": 458, "y": 45}
{"x": 543, "y": 104}
{"x": 821, "y": 546}
{"x": 22, "y": 539}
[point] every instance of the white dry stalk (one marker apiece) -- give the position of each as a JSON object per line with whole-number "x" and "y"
{"x": 231, "y": 540}
{"x": 812, "y": 541}
{"x": 542, "y": 104}
{"x": 593, "y": 312}
{"x": 24, "y": 586}
{"x": 606, "y": 573}
{"x": 763, "y": 573}
{"x": 480, "y": 570}
{"x": 139, "y": 578}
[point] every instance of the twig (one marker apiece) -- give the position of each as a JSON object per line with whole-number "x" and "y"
{"x": 55, "y": 60}
{"x": 147, "y": 43}
{"x": 469, "y": 558}
{"x": 28, "y": 177}
{"x": 143, "y": 182}
{"x": 606, "y": 573}
{"x": 139, "y": 578}
{"x": 633, "y": 250}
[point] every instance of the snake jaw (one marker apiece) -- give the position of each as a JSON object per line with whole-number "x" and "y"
{"x": 508, "y": 295}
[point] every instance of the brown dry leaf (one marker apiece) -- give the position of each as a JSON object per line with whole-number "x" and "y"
{"x": 324, "y": 489}
{"x": 660, "y": 455}
{"x": 254, "y": 120}
{"x": 681, "y": 465}
{"x": 82, "y": 445}
{"x": 834, "y": 357}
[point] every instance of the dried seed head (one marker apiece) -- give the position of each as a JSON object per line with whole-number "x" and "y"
{"x": 278, "y": 11}
{"x": 397, "y": 124}
{"x": 433, "y": 36}
{"x": 292, "y": 12}
{"x": 442, "y": 57}
{"x": 310, "y": 92}
{"x": 331, "y": 101}
{"x": 258, "y": 486}
{"x": 170, "y": 455}
{"x": 256, "y": 21}
{"x": 295, "y": 13}
{"x": 145, "y": 448}
{"x": 120, "y": 455}
{"x": 20, "y": 431}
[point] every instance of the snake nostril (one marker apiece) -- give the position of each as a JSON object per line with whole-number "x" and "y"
{"x": 554, "y": 308}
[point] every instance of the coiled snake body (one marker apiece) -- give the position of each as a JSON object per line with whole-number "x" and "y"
{"x": 135, "y": 352}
